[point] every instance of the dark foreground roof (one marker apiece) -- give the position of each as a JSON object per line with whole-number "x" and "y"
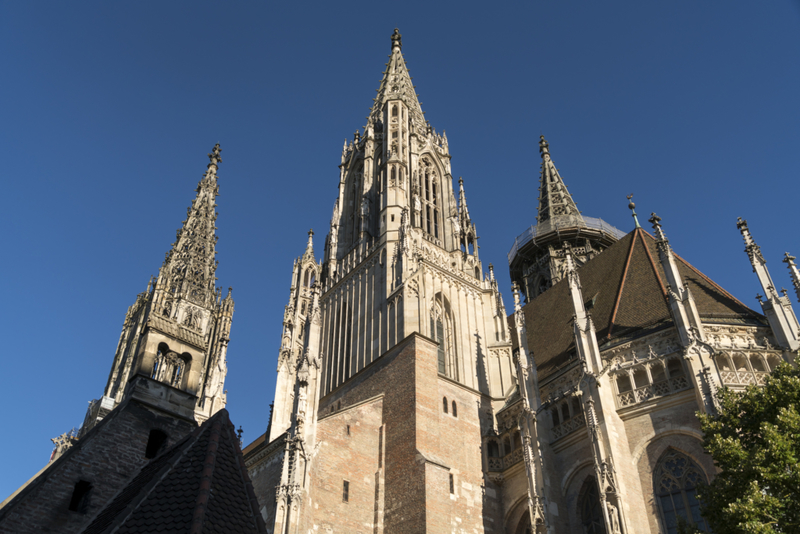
{"x": 624, "y": 288}
{"x": 200, "y": 485}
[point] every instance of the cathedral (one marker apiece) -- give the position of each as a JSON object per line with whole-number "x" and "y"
{"x": 407, "y": 398}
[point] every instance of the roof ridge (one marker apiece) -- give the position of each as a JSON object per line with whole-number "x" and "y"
{"x": 209, "y": 465}
{"x": 252, "y": 500}
{"x": 653, "y": 263}
{"x": 178, "y": 450}
{"x": 621, "y": 287}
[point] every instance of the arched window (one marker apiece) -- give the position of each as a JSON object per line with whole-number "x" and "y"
{"x": 455, "y": 410}
{"x": 431, "y": 214}
{"x": 494, "y": 450}
{"x": 442, "y": 333}
{"x": 675, "y": 481}
{"x": 394, "y": 111}
{"x": 589, "y": 508}
{"x": 444, "y": 405}
{"x": 517, "y": 440}
{"x": 506, "y": 447}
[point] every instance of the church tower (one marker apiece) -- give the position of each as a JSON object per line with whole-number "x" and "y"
{"x": 177, "y": 331}
{"x": 402, "y": 253}
{"x": 395, "y": 332}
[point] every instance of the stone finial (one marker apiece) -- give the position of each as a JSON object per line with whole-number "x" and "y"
{"x": 397, "y": 40}
{"x": 491, "y": 271}
{"x": 750, "y": 246}
{"x": 788, "y": 259}
{"x": 230, "y": 292}
{"x": 655, "y": 220}
{"x": 215, "y": 157}
{"x": 544, "y": 147}
{"x": 632, "y": 207}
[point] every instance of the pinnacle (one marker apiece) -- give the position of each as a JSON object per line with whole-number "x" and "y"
{"x": 554, "y": 198}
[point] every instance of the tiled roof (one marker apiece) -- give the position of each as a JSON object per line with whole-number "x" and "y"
{"x": 200, "y": 485}
{"x": 624, "y": 290}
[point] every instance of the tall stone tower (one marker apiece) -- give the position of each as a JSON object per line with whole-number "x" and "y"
{"x": 177, "y": 331}
{"x": 396, "y": 332}
{"x": 537, "y": 259}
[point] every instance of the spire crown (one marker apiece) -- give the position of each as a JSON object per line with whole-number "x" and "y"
{"x": 544, "y": 148}
{"x": 397, "y": 40}
{"x": 214, "y": 156}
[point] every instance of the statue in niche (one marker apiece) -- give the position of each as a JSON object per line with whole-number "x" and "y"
{"x": 365, "y": 207}
{"x": 613, "y": 517}
{"x": 167, "y": 308}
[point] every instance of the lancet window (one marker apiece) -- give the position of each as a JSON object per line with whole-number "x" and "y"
{"x": 675, "y": 480}
{"x": 589, "y": 509}
{"x": 442, "y": 332}
{"x": 431, "y": 213}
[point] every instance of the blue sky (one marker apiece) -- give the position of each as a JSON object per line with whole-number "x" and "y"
{"x": 108, "y": 109}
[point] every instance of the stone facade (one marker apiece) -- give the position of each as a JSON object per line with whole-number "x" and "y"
{"x": 407, "y": 401}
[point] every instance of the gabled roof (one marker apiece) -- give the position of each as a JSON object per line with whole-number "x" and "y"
{"x": 200, "y": 485}
{"x": 624, "y": 290}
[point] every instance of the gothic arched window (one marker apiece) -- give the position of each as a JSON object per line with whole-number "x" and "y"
{"x": 589, "y": 509}
{"x": 432, "y": 204}
{"x": 442, "y": 332}
{"x": 675, "y": 481}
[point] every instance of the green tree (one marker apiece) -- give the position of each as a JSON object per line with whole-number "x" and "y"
{"x": 755, "y": 441}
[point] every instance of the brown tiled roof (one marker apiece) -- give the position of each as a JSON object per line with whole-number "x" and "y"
{"x": 624, "y": 290}
{"x": 200, "y": 485}
{"x": 258, "y": 441}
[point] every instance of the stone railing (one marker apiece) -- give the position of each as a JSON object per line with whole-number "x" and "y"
{"x": 743, "y": 378}
{"x": 569, "y": 426}
{"x": 495, "y": 464}
{"x": 659, "y": 389}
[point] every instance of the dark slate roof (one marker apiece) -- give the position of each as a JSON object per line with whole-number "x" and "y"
{"x": 625, "y": 292}
{"x": 200, "y": 485}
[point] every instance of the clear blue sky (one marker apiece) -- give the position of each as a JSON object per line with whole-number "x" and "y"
{"x": 108, "y": 109}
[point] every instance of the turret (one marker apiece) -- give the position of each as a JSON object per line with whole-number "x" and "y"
{"x": 536, "y": 259}
{"x": 305, "y": 273}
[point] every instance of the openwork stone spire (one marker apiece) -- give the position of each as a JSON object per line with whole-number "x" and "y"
{"x": 554, "y": 198}
{"x": 190, "y": 266}
{"x": 396, "y": 84}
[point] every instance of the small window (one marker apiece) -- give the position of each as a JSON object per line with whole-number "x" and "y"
{"x": 394, "y": 111}
{"x": 348, "y": 430}
{"x": 345, "y": 491}
{"x": 452, "y": 484}
{"x": 494, "y": 450}
{"x": 80, "y": 497}
{"x": 155, "y": 443}
{"x": 455, "y": 410}
{"x": 444, "y": 405}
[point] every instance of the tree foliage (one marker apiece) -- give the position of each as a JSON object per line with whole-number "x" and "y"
{"x": 755, "y": 441}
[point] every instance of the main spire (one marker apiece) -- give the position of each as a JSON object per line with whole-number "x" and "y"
{"x": 190, "y": 266}
{"x": 396, "y": 84}
{"x": 554, "y": 198}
